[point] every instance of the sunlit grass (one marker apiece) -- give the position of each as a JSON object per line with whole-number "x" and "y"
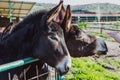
{"x": 87, "y": 69}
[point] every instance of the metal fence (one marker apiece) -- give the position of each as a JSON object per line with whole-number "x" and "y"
{"x": 19, "y": 63}
{"x": 103, "y": 27}
{"x": 100, "y": 30}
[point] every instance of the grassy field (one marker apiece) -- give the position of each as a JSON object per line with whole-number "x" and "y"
{"x": 88, "y": 69}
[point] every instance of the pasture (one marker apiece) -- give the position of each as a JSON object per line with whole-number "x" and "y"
{"x": 89, "y": 69}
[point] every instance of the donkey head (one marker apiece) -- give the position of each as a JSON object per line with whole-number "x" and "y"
{"x": 53, "y": 51}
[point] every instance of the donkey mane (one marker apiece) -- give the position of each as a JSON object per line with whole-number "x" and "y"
{"x": 30, "y": 19}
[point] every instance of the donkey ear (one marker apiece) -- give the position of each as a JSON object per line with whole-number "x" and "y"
{"x": 59, "y": 18}
{"x": 67, "y": 19}
{"x": 7, "y": 29}
{"x": 54, "y": 12}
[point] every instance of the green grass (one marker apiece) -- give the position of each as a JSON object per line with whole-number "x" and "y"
{"x": 87, "y": 69}
{"x": 114, "y": 62}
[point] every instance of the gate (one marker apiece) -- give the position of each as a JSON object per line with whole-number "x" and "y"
{"x": 19, "y": 63}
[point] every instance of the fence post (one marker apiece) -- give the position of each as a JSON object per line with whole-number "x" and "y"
{"x": 101, "y": 30}
{"x": 10, "y": 11}
{"x": 60, "y": 77}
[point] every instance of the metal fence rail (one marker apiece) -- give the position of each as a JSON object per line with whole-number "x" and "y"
{"x": 23, "y": 62}
{"x": 100, "y": 30}
{"x": 17, "y": 63}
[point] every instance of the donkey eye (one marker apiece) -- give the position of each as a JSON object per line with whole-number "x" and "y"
{"x": 79, "y": 36}
{"x": 54, "y": 38}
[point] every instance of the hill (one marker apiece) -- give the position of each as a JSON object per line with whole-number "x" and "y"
{"x": 104, "y": 7}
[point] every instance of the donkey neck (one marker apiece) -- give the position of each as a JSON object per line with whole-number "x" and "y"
{"x": 19, "y": 43}
{"x": 16, "y": 46}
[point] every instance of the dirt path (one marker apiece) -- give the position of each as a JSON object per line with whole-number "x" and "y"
{"x": 113, "y": 48}
{"x": 112, "y": 59}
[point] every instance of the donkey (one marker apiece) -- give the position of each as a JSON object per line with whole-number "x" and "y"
{"x": 39, "y": 37}
{"x": 79, "y": 42}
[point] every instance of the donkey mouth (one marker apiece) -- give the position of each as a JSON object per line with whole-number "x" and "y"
{"x": 102, "y": 53}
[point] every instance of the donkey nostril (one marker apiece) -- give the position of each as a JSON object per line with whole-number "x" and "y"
{"x": 67, "y": 68}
